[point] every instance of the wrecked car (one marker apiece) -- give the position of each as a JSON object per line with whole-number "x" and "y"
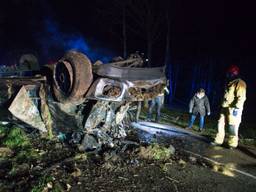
{"x": 90, "y": 102}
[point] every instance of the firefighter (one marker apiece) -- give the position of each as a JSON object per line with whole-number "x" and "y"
{"x": 232, "y": 107}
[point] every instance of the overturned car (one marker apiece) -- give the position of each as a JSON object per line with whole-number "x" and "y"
{"x": 92, "y": 103}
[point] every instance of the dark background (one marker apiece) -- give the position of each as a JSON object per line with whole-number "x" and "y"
{"x": 205, "y": 38}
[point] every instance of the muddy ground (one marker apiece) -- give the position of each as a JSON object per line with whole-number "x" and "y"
{"x": 55, "y": 166}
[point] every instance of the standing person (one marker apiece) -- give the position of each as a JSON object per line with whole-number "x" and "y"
{"x": 232, "y": 107}
{"x": 138, "y": 111}
{"x": 158, "y": 103}
{"x": 199, "y": 104}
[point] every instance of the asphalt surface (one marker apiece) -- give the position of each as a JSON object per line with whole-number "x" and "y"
{"x": 240, "y": 161}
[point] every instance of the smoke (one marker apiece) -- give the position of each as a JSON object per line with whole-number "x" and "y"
{"x": 53, "y": 43}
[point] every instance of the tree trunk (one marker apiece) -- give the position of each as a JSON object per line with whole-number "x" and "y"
{"x": 149, "y": 50}
{"x": 175, "y": 79}
{"x": 167, "y": 62}
{"x": 209, "y": 79}
{"x": 124, "y": 33}
{"x": 194, "y": 80}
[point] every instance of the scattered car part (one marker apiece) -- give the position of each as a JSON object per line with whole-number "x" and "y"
{"x": 29, "y": 62}
{"x": 25, "y": 109}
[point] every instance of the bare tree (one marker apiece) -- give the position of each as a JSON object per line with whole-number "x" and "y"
{"x": 138, "y": 18}
{"x": 172, "y": 70}
{"x": 145, "y": 18}
{"x": 124, "y": 31}
{"x": 167, "y": 61}
{"x": 114, "y": 18}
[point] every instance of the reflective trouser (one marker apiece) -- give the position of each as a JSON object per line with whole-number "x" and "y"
{"x": 158, "y": 102}
{"x": 226, "y": 115}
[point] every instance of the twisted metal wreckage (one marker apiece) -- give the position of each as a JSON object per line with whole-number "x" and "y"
{"x": 92, "y": 103}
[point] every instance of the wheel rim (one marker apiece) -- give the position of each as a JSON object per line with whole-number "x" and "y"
{"x": 63, "y": 77}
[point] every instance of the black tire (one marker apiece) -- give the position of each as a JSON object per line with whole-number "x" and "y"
{"x": 72, "y": 76}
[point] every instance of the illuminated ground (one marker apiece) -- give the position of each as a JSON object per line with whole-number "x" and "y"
{"x": 43, "y": 165}
{"x": 242, "y": 159}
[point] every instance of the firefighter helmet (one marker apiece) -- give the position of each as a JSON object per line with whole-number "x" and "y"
{"x": 233, "y": 70}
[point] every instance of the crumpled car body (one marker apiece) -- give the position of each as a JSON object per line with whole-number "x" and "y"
{"x": 92, "y": 101}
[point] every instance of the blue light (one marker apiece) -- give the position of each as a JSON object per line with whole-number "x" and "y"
{"x": 53, "y": 41}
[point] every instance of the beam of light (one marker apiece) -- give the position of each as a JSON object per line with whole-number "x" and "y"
{"x": 147, "y": 131}
{"x": 167, "y": 130}
{"x": 152, "y": 128}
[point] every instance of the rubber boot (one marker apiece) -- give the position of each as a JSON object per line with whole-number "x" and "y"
{"x": 219, "y": 139}
{"x": 233, "y": 141}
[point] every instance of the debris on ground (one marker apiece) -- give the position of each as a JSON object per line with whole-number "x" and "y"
{"x": 52, "y": 165}
{"x": 156, "y": 152}
{"x": 6, "y": 152}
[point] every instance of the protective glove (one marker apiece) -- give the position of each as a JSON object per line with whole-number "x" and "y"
{"x": 167, "y": 90}
{"x": 208, "y": 113}
{"x": 235, "y": 112}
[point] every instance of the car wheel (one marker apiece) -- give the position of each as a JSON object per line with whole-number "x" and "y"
{"x": 72, "y": 76}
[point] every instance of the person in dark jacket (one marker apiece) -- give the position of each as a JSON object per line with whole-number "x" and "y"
{"x": 199, "y": 104}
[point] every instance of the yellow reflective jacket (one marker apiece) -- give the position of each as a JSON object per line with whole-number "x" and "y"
{"x": 235, "y": 94}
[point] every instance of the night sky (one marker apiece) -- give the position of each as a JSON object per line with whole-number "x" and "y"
{"x": 220, "y": 32}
